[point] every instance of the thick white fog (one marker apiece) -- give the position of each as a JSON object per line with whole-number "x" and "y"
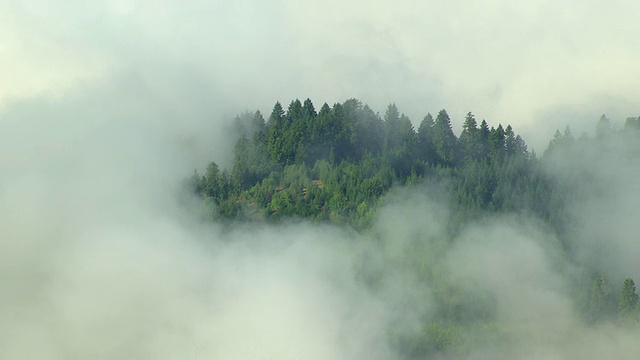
{"x": 106, "y": 107}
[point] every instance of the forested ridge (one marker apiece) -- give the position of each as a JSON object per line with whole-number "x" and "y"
{"x": 338, "y": 164}
{"x": 334, "y": 165}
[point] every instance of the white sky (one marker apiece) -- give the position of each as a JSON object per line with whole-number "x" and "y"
{"x": 537, "y": 65}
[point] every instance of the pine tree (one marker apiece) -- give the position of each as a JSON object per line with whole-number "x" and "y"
{"x": 275, "y": 134}
{"x": 308, "y": 110}
{"x": 444, "y": 139}
{"x": 425, "y": 149}
{"x": 368, "y": 133}
{"x": 470, "y": 138}
{"x": 391, "y": 125}
{"x": 240, "y": 173}
{"x": 509, "y": 141}
{"x": 483, "y": 141}
{"x": 497, "y": 142}
{"x": 628, "y": 299}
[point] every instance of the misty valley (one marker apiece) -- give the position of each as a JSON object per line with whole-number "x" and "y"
{"x": 473, "y": 246}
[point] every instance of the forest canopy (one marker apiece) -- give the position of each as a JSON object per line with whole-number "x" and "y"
{"x": 340, "y": 164}
{"x": 336, "y": 163}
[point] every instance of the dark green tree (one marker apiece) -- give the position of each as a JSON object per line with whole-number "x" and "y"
{"x": 425, "y": 148}
{"x": 368, "y": 132}
{"x": 392, "y": 127}
{"x": 276, "y": 128}
{"x": 497, "y": 143}
{"x": 444, "y": 139}
{"x": 483, "y": 140}
{"x": 470, "y": 139}
{"x": 509, "y": 141}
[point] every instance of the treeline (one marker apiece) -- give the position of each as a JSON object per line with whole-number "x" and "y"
{"x": 335, "y": 164}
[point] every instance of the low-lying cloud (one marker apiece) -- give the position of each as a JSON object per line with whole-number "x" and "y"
{"x": 106, "y": 108}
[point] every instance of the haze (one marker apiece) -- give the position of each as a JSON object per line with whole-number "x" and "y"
{"x": 107, "y": 106}
{"x": 536, "y": 64}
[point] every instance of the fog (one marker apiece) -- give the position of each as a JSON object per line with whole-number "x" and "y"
{"x": 535, "y": 65}
{"x": 105, "y": 108}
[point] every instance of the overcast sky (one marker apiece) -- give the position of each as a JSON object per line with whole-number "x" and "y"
{"x": 542, "y": 64}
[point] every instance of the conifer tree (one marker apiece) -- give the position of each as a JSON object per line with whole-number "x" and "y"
{"x": 470, "y": 138}
{"x": 444, "y": 139}
{"x": 628, "y": 299}
{"x": 425, "y": 149}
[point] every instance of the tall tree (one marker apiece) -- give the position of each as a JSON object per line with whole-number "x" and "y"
{"x": 497, "y": 142}
{"x": 425, "y": 149}
{"x": 509, "y": 141}
{"x": 340, "y": 132}
{"x": 444, "y": 139}
{"x": 483, "y": 140}
{"x": 470, "y": 138}
{"x": 368, "y": 133}
{"x": 402, "y": 154}
{"x": 240, "y": 173}
{"x": 392, "y": 127}
{"x": 275, "y": 134}
{"x": 628, "y": 299}
{"x": 308, "y": 110}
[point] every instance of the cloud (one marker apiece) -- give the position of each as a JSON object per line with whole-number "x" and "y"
{"x": 106, "y": 107}
{"x": 505, "y": 61}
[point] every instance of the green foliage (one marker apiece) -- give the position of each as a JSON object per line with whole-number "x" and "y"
{"x": 444, "y": 140}
{"x": 336, "y": 165}
{"x": 628, "y": 299}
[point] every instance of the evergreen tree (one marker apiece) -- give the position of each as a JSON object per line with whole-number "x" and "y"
{"x": 425, "y": 149}
{"x": 340, "y": 127}
{"x": 628, "y": 299}
{"x": 497, "y": 143}
{"x": 483, "y": 140}
{"x": 521, "y": 147}
{"x": 368, "y": 133}
{"x": 568, "y": 136}
{"x": 470, "y": 138}
{"x": 392, "y": 125}
{"x": 276, "y": 128}
{"x": 269, "y": 177}
{"x": 561, "y": 141}
{"x": 308, "y": 110}
{"x": 213, "y": 183}
{"x": 509, "y": 141}
{"x": 241, "y": 174}
{"x": 444, "y": 139}
{"x": 402, "y": 154}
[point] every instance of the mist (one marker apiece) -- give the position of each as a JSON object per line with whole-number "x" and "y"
{"x": 106, "y": 108}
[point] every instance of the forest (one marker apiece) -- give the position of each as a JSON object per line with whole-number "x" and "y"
{"x": 343, "y": 164}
